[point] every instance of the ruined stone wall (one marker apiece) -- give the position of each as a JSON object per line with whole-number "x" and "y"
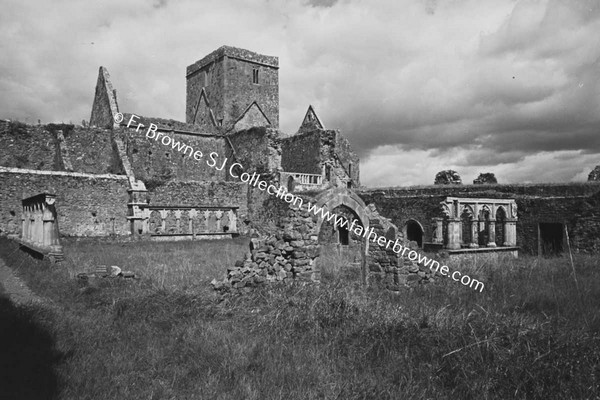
{"x": 585, "y": 230}
{"x": 257, "y": 149}
{"x": 154, "y": 162}
{"x": 90, "y": 151}
{"x": 402, "y": 209}
{"x": 104, "y": 106}
{"x": 240, "y": 91}
{"x": 493, "y": 190}
{"x": 343, "y": 150}
{"x": 286, "y": 249}
{"x": 58, "y": 147}
{"x": 28, "y": 146}
{"x": 571, "y": 204}
{"x": 302, "y": 153}
{"x": 87, "y": 205}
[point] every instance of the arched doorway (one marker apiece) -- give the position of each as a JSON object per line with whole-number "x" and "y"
{"x": 341, "y": 248}
{"x": 414, "y": 232}
{"x": 346, "y": 204}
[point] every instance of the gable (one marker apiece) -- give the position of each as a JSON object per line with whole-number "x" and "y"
{"x": 253, "y": 116}
{"x": 105, "y": 102}
{"x": 311, "y": 121}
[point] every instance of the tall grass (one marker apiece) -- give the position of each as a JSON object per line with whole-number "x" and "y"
{"x": 531, "y": 334}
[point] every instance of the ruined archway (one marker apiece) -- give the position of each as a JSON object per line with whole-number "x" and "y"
{"x": 349, "y": 208}
{"x": 413, "y": 231}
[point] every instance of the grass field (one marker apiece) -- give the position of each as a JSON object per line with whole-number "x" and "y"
{"x": 533, "y": 333}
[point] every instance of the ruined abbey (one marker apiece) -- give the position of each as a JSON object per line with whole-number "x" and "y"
{"x": 108, "y": 180}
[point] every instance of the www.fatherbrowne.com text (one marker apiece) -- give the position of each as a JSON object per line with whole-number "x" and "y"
{"x": 282, "y": 193}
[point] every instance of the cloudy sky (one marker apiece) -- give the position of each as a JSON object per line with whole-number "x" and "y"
{"x": 504, "y": 86}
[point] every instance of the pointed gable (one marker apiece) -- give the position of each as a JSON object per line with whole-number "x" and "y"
{"x": 105, "y": 102}
{"x": 311, "y": 121}
{"x": 203, "y": 115}
{"x": 252, "y": 116}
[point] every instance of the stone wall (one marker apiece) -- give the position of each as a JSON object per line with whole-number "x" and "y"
{"x": 573, "y": 205}
{"x": 87, "y": 205}
{"x": 105, "y": 104}
{"x": 286, "y": 249}
{"x": 90, "y": 151}
{"x": 58, "y": 147}
{"x": 28, "y": 146}
{"x": 322, "y": 150}
{"x": 153, "y": 161}
{"x": 338, "y": 145}
{"x": 211, "y": 78}
{"x": 289, "y": 243}
{"x": 302, "y": 153}
{"x": 240, "y": 91}
{"x": 257, "y": 149}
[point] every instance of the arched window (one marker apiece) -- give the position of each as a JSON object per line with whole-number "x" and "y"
{"x": 500, "y": 221}
{"x": 465, "y": 218}
{"x": 290, "y": 184}
{"x": 484, "y": 223}
{"x": 414, "y": 232}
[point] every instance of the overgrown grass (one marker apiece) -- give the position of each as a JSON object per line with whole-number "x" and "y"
{"x": 182, "y": 265}
{"x": 531, "y": 334}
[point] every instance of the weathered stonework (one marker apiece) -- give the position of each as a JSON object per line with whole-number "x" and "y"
{"x": 122, "y": 183}
{"x": 232, "y": 79}
{"x": 572, "y": 205}
{"x": 105, "y": 104}
{"x": 39, "y": 229}
{"x": 90, "y": 205}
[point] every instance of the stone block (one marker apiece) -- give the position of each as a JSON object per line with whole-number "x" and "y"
{"x": 299, "y": 254}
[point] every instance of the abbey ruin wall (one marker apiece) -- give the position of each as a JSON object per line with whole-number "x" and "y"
{"x": 572, "y": 205}
{"x": 87, "y": 205}
{"x": 28, "y": 146}
{"x": 58, "y": 147}
{"x": 153, "y": 161}
{"x": 257, "y": 149}
{"x": 302, "y": 153}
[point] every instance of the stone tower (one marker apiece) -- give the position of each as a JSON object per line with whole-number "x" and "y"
{"x": 233, "y": 89}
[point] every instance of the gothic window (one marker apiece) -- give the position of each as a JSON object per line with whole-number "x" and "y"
{"x": 255, "y": 75}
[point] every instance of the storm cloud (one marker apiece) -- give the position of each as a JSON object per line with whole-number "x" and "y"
{"x": 510, "y": 87}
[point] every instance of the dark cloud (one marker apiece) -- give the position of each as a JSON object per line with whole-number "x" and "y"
{"x": 416, "y": 85}
{"x": 159, "y": 3}
{"x": 322, "y": 3}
